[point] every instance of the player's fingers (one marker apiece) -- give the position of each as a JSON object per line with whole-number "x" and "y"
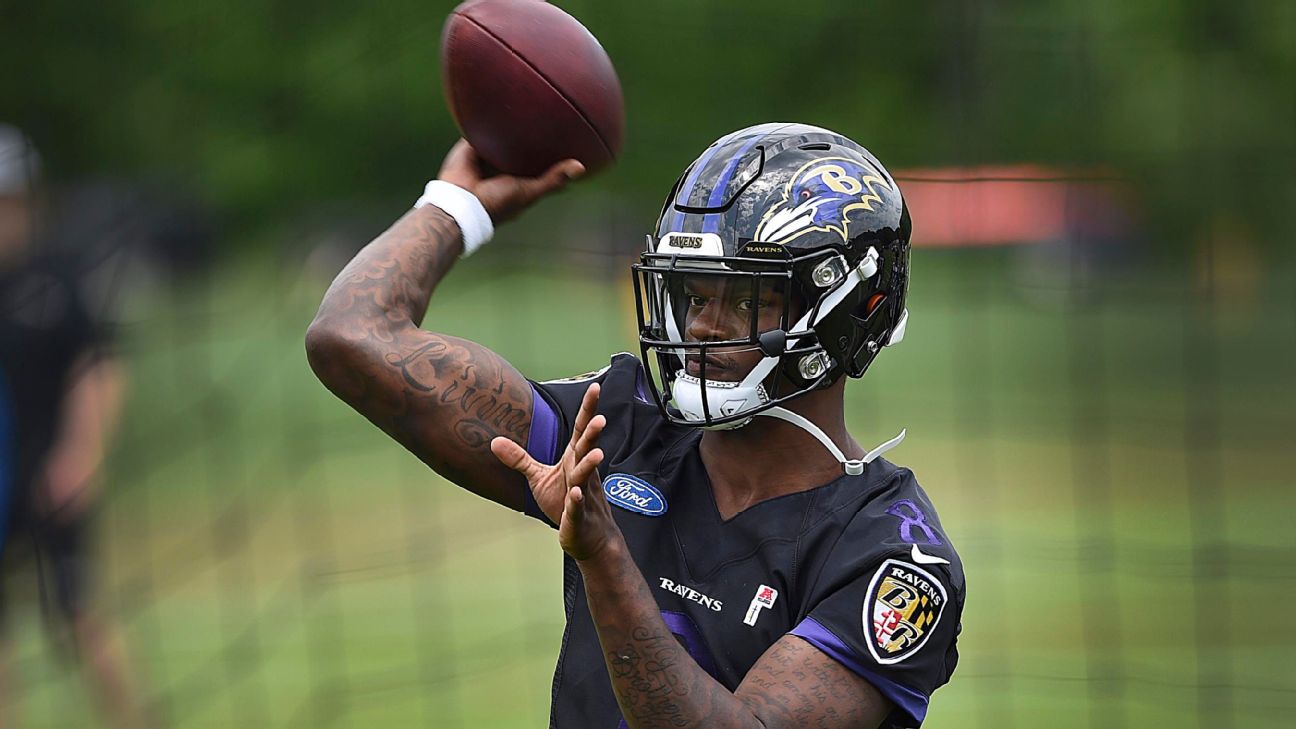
{"x": 573, "y": 507}
{"x": 554, "y": 178}
{"x": 589, "y": 437}
{"x": 589, "y": 403}
{"x": 584, "y": 468}
{"x": 515, "y": 457}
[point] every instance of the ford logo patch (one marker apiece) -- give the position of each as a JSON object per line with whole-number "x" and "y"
{"x": 634, "y": 494}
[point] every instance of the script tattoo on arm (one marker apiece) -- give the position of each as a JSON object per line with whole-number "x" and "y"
{"x": 795, "y": 684}
{"x": 658, "y": 684}
{"x": 441, "y": 397}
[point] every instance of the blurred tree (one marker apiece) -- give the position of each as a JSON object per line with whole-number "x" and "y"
{"x": 270, "y": 106}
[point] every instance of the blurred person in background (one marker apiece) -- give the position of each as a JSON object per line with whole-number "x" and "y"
{"x": 762, "y": 568}
{"x": 60, "y": 391}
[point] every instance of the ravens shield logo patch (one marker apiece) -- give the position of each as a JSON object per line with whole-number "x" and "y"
{"x": 903, "y": 606}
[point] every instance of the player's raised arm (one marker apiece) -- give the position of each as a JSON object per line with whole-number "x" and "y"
{"x": 442, "y": 397}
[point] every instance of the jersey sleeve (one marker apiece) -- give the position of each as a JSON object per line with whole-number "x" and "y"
{"x": 556, "y": 402}
{"x": 889, "y": 601}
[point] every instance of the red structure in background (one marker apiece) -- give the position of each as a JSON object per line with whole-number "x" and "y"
{"x": 1012, "y": 205}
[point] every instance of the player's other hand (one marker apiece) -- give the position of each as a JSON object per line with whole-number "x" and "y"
{"x": 503, "y": 196}
{"x": 570, "y": 492}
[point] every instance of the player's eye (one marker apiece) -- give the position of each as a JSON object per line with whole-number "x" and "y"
{"x": 695, "y": 301}
{"x": 745, "y": 305}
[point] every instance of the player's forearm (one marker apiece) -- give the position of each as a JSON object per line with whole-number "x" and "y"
{"x": 656, "y": 682}
{"x": 89, "y": 413}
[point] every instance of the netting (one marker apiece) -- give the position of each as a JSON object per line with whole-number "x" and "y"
{"x": 1098, "y": 401}
{"x": 1107, "y": 458}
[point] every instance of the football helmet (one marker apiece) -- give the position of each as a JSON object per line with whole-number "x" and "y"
{"x": 786, "y": 245}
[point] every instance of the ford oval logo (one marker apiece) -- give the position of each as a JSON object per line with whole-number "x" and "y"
{"x": 634, "y": 494}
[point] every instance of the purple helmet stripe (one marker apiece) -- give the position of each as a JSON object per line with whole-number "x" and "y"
{"x": 686, "y": 190}
{"x": 711, "y": 222}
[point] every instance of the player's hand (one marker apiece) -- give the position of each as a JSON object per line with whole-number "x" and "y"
{"x": 569, "y": 492}
{"x": 503, "y": 196}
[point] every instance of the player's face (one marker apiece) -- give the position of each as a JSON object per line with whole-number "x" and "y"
{"x": 720, "y": 308}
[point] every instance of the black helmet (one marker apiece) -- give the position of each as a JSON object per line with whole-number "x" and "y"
{"x": 797, "y": 219}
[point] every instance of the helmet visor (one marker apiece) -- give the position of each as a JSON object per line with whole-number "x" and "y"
{"x": 703, "y": 315}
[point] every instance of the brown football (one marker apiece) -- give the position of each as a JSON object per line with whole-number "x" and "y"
{"x": 529, "y": 86}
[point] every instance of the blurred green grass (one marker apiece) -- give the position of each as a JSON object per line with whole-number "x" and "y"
{"x": 276, "y": 561}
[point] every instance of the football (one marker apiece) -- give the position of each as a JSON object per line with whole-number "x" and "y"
{"x": 529, "y": 86}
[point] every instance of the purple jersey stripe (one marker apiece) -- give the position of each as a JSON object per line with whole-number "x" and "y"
{"x": 906, "y": 699}
{"x": 542, "y": 443}
{"x": 684, "y": 628}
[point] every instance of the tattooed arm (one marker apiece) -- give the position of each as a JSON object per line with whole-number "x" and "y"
{"x": 657, "y": 683}
{"x": 441, "y": 397}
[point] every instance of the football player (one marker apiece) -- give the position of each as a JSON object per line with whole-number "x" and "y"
{"x": 734, "y": 558}
{"x": 60, "y": 392}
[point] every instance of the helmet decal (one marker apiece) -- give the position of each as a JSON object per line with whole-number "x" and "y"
{"x": 821, "y": 197}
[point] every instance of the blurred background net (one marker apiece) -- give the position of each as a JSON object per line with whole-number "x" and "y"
{"x": 1097, "y": 378}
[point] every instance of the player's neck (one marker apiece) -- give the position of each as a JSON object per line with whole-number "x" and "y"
{"x": 769, "y": 457}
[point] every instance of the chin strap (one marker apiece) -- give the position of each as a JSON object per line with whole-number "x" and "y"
{"x": 851, "y": 466}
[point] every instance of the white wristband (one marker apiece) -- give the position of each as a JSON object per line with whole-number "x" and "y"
{"x": 465, "y": 208}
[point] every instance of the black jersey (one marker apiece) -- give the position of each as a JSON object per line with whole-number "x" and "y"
{"x": 859, "y": 567}
{"x": 44, "y": 329}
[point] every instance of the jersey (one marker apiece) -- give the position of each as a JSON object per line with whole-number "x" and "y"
{"x": 45, "y": 329}
{"x": 859, "y": 567}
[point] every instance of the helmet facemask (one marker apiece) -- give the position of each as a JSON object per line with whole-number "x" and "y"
{"x": 727, "y": 337}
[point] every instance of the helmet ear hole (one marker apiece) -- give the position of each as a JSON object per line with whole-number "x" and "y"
{"x": 865, "y": 311}
{"x": 874, "y": 301}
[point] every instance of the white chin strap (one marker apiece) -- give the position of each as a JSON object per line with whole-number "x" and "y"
{"x": 725, "y": 399}
{"x": 851, "y": 466}
{"x": 736, "y": 397}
